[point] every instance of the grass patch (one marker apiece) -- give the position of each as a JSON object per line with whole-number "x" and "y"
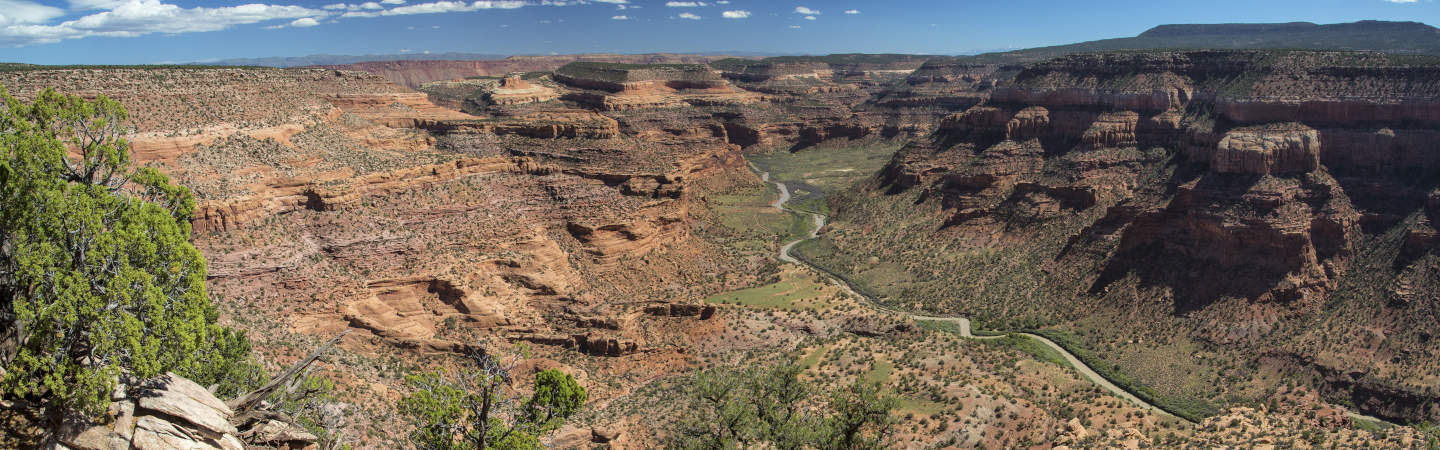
{"x": 1019, "y": 342}
{"x": 1187, "y": 407}
{"x": 812, "y": 359}
{"x": 827, "y": 167}
{"x": 746, "y": 216}
{"x": 815, "y": 205}
{"x": 939, "y": 326}
{"x": 1372, "y": 426}
{"x": 795, "y": 290}
{"x": 822, "y": 254}
{"x": 1029, "y": 346}
{"x": 880, "y": 372}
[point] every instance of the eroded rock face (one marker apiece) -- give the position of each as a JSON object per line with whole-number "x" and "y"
{"x": 1244, "y": 206}
{"x": 1283, "y": 249}
{"x": 1113, "y": 130}
{"x": 682, "y": 310}
{"x": 514, "y": 90}
{"x": 605, "y": 346}
{"x": 1290, "y": 228}
{"x": 1028, "y": 123}
{"x": 1267, "y": 151}
{"x": 414, "y": 308}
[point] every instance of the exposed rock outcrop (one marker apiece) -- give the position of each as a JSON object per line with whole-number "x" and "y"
{"x": 681, "y": 310}
{"x": 1267, "y": 151}
{"x": 171, "y": 412}
{"x": 329, "y": 191}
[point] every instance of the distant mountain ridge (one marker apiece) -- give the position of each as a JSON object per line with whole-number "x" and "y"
{"x": 1365, "y": 35}
{"x": 1175, "y": 30}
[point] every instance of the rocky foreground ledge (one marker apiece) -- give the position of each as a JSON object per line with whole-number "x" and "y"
{"x": 172, "y": 412}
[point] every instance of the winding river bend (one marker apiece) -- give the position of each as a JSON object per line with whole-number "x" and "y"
{"x": 961, "y": 322}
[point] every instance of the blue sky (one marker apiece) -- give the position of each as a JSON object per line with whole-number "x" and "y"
{"x": 156, "y": 31}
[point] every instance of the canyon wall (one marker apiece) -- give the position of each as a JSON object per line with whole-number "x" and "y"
{"x": 1272, "y": 180}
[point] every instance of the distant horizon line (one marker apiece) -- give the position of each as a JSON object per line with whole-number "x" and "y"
{"x": 403, "y": 55}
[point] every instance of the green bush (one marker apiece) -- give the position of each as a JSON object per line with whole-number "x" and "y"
{"x": 97, "y": 273}
{"x": 482, "y": 411}
{"x": 773, "y": 407}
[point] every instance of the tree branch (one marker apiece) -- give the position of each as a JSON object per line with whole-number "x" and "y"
{"x": 243, "y": 403}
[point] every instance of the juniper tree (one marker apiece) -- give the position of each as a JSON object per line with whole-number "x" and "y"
{"x": 772, "y": 407}
{"x": 482, "y": 410}
{"x": 97, "y": 274}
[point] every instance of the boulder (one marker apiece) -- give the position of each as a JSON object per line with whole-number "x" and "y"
{"x": 280, "y": 434}
{"x": 93, "y": 438}
{"x": 173, "y": 413}
{"x": 185, "y": 400}
{"x": 154, "y": 433}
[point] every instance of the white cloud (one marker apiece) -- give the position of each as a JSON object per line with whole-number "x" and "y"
{"x": 722, "y": 2}
{"x": 686, "y": 15}
{"x": 741, "y": 14}
{"x": 367, "y": 6}
{"x": 809, "y": 17}
{"x": 13, "y": 12}
{"x": 852, "y": 11}
{"x": 684, "y": 4}
{"x": 91, "y": 5}
{"x": 619, "y": 17}
{"x": 29, "y": 22}
{"x": 794, "y": 27}
{"x": 443, "y": 6}
{"x": 1402, "y": 1}
{"x": 806, "y": 11}
{"x": 141, "y": 17}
